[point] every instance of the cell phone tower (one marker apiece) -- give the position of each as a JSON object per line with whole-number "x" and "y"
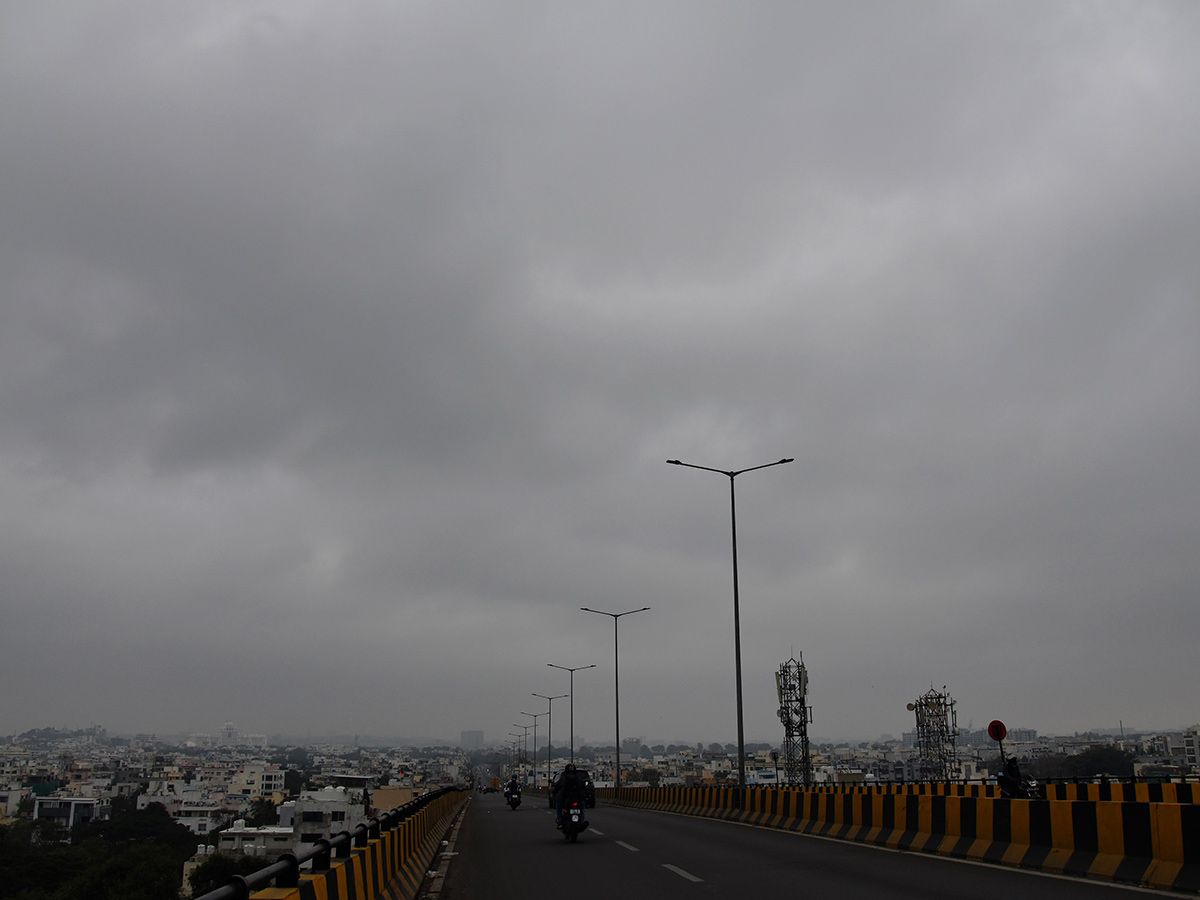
{"x": 791, "y": 684}
{"x": 937, "y": 729}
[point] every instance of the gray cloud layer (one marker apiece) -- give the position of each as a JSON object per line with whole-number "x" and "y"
{"x": 344, "y": 344}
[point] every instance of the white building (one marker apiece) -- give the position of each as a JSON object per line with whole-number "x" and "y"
{"x": 10, "y": 800}
{"x": 200, "y": 817}
{"x": 1191, "y": 746}
{"x": 322, "y": 814}
{"x": 256, "y": 780}
{"x": 266, "y": 840}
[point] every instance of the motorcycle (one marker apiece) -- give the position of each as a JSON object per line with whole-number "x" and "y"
{"x": 573, "y": 821}
{"x": 512, "y": 797}
{"x": 1015, "y": 786}
{"x": 1021, "y": 789}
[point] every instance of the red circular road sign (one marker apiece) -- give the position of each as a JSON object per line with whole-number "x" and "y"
{"x": 996, "y": 730}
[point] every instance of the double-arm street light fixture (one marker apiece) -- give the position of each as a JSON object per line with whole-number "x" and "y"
{"x": 549, "y": 728}
{"x": 737, "y": 623}
{"x": 572, "y": 670}
{"x": 616, "y": 686}
{"x": 535, "y": 717}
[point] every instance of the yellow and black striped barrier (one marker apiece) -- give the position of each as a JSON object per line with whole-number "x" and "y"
{"x": 391, "y": 866}
{"x": 1149, "y": 842}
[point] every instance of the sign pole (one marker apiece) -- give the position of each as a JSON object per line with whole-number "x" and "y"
{"x": 998, "y": 732}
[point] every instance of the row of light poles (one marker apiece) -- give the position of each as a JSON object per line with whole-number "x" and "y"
{"x": 571, "y": 670}
{"x": 737, "y": 646}
{"x": 616, "y": 686}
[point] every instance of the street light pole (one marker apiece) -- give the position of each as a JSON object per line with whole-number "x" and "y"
{"x": 549, "y": 729}
{"x": 616, "y": 687}
{"x": 524, "y": 739}
{"x": 572, "y": 671}
{"x": 737, "y": 621}
{"x": 535, "y": 717}
{"x": 515, "y": 752}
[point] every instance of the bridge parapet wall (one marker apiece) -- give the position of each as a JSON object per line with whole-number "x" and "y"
{"x": 1153, "y": 844}
{"x": 384, "y": 862}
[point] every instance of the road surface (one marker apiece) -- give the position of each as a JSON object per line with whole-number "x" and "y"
{"x": 504, "y": 854}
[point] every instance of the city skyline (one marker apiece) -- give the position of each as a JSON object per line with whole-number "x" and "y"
{"x": 245, "y": 738}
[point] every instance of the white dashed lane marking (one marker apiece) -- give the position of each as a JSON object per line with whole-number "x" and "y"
{"x": 681, "y": 873}
{"x": 627, "y": 846}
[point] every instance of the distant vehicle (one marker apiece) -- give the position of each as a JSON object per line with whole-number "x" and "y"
{"x": 590, "y": 787}
{"x": 573, "y": 821}
{"x": 512, "y": 794}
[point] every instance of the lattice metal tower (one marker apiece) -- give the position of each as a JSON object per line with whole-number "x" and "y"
{"x": 937, "y": 729}
{"x": 791, "y": 683}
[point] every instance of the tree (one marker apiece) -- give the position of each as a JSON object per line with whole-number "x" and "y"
{"x": 293, "y": 782}
{"x": 216, "y": 871}
{"x": 150, "y": 825}
{"x": 122, "y": 804}
{"x": 262, "y": 812}
{"x": 131, "y": 858}
{"x": 1102, "y": 760}
{"x": 138, "y": 872}
{"x": 649, "y": 774}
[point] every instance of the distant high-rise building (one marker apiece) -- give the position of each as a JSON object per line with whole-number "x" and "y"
{"x": 471, "y": 740}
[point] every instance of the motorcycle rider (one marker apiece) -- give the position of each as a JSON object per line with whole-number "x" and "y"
{"x": 1011, "y": 783}
{"x": 570, "y": 786}
{"x": 513, "y": 787}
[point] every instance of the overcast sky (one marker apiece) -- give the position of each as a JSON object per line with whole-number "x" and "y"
{"x": 343, "y": 346}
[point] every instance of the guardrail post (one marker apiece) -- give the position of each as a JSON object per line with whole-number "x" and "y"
{"x": 241, "y": 886}
{"x": 291, "y": 877}
{"x": 322, "y": 859}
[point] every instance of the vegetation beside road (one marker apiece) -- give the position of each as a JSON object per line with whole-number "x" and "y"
{"x": 136, "y": 855}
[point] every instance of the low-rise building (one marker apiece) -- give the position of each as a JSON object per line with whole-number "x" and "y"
{"x": 318, "y": 815}
{"x": 265, "y": 840}
{"x": 71, "y": 811}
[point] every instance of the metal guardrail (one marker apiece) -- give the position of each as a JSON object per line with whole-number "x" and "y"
{"x": 285, "y": 871}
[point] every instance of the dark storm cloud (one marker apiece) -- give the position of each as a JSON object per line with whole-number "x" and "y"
{"x": 344, "y": 345}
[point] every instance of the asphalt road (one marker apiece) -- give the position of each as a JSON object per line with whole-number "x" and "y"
{"x": 504, "y": 854}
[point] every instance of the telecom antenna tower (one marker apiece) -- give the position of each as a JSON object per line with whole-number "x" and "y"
{"x": 937, "y": 728}
{"x": 791, "y": 684}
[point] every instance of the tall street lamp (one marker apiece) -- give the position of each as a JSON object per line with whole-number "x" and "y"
{"x": 737, "y": 622}
{"x": 616, "y": 686}
{"x": 535, "y": 717}
{"x": 512, "y": 765}
{"x": 572, "y": 671}
{"x": 549, "y": 728}
{"x": 524, "y": 741}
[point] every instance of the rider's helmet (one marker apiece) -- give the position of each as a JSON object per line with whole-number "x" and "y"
{"x": 570, "y": 767}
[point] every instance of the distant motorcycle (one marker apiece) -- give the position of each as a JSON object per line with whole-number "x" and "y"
{"x": 573, "y": 821}
{"x": 1015, "y": 786}
{"x": 512, "y": 796}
